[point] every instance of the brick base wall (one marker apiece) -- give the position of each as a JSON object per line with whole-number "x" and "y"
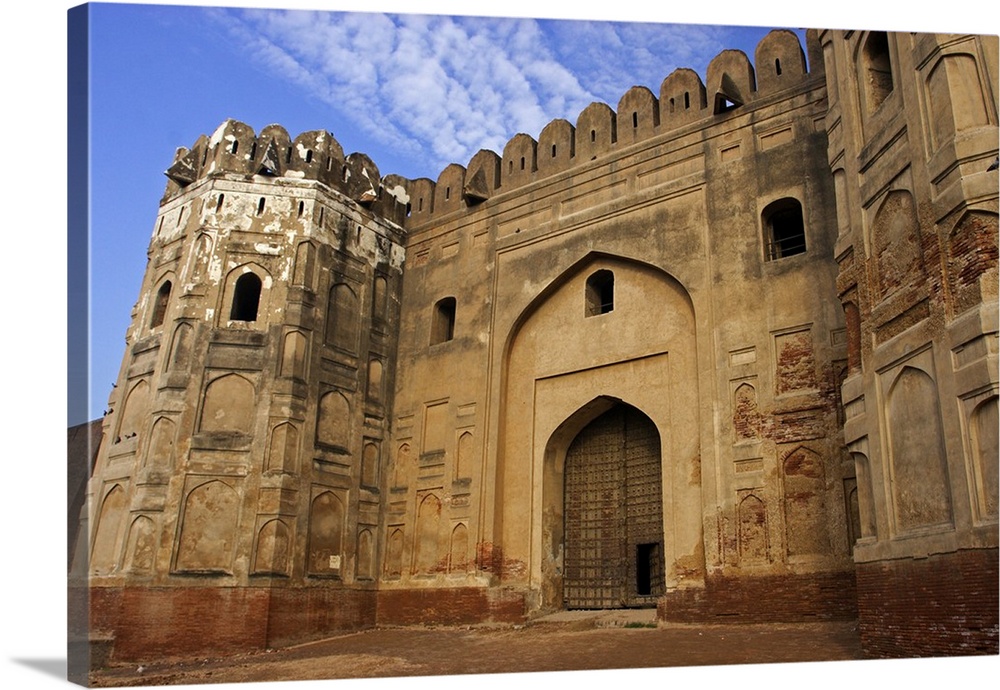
{"x": 300, "y": 615}
{"x": 148, "y": 623}
{"x": 943, "y": 605}
{"x": 779, "y": 598}
{"x": 460, "y": 606}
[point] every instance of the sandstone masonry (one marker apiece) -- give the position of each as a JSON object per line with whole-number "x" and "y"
{"x": 726, "y": 350}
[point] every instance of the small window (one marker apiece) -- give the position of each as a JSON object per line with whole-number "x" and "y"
{"x": 309, "y": 156}
{"x": 246, "y": 298}
{"x": 600, "y": 293}
{"x": 877, "y": 69}
{"x": 443, "y": 321}
{"x": 160, "y": 305}
{"x": 784, "y": 230}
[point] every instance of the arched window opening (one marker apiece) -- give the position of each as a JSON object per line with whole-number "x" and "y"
{"x": 600, "y": 293}
{"x": 218, "y": 204}
{"x": 288, "y": 155}
{"x": 253, "y": 150}
{"x": 447, "y": 193}
{"x": 260, "y": 206}
{"x": 309, "y": 156}
{"x": 777, "y": 66}
{"x": 593, "y": 135}
{"x": 236, "y": 146}
{"x": 687, "y": 100}
{"x": 246, "y": 298}
{"x": 784, "y": 229}
{"x": 635, "y": 120}
{"x": 443, "y": 321}
{"x": 553, "y": 150}
{"x": 160, "y": 305}
{"x": 522, "y": 162}
{"x": 302, "y": 207}
{"x": 876, "y": 69}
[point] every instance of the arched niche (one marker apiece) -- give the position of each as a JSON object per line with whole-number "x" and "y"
{"x": 141, "y": 550}
{"x": 365, "y": 565}
{"x": 107, "y": 542}
{"x": 273, "y": 549}
{"x": 135, "y": 410}
{"x": 229, "y": 405}
{"x": 427, "y": 548}
{"x": 921, "y": 488}
{"x": 326, "y": 526}
{"x": 208, "y": 529}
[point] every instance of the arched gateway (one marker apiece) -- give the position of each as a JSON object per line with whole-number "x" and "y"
{"x": 613, "y": 513}
{"x": 598, "y": 492}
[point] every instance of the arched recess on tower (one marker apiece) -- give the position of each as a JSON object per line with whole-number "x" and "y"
{"x": 608, "y": 329}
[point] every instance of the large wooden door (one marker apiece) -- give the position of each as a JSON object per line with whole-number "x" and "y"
{"x": 613, "y": 511}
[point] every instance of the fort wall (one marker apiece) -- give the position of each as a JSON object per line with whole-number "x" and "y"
{"x": 349, "y": 399}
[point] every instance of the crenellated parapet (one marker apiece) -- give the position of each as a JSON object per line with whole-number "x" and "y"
{"x": 731, "y": 83}
{"x": 684, "y": 100}
{"x": 234, "y": 149}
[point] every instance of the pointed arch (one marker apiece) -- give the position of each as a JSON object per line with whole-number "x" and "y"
{"x": 294, "y": 355}
{"x": 326, "y": 526}
{"x": 458, "y": 558}
{"x": 160, "y": 453}
{"x": 160, "y": 303}
{"x": 333, "y": 421}
{"x": 135, "y": 410}
{"x": 804, "y": 478}
{"x": 141, "y": 550}
{"x": 229, "y": 405}
{"x": 394, "y": 554}
{"x": 365, "y": 567}
{"x": 208, "y": 528}
{"x": 342, "y": 319}
{"x": 427, "y": 550}
{"x": 752, "y": 538}
{"x": 282, "y": 454}
{"x": 107, "y": 541}
{"x": 180, "y": 346}
{"x": 921, "y": 488}
{"x": 273, "y": 548}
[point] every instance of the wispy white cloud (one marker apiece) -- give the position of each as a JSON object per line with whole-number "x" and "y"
{"x": 445, "y": 87}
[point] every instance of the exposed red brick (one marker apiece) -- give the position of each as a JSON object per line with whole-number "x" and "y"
{"x": 458, "y": 606}
{"x": 776, "y": 598}
{"x": 944, "y": 605}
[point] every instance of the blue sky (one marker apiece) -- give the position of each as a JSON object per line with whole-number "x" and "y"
{"x": 414, "y": 92}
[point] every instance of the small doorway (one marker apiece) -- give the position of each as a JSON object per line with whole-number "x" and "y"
{"x": 613, "y": 513}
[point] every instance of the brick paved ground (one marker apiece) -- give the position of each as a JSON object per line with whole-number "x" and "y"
{"x": 564, "y": 642}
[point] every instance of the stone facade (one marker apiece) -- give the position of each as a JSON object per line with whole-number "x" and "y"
{"x": 726, "y": 350}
